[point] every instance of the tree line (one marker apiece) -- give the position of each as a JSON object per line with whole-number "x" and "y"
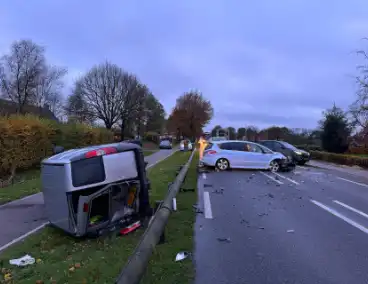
{"x": 106, "y": 93}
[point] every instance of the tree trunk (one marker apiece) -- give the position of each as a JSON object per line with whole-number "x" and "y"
{"x": 122, "y": 133}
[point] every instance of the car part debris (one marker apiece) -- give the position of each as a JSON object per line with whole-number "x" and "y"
{"x": 23, "y": 261}
{"x": 224, "y": 240}
{"x": 218, "y": 191}
{"x": 261, "y": 228}
{"x": 244, "y": 221}
{"x": 290, "y": 231}
{"x": 270, "y": 195}
{"x": 207, "y": 185}
{"x": 181, "y": 256}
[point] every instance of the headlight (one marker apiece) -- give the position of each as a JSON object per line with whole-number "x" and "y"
{"x": 298, "y": 152}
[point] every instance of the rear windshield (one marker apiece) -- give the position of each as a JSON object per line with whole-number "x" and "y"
{"x": 88, "y": 171}
{"x": 209, "y": 146}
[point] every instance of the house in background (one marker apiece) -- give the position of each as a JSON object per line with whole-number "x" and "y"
{"x": 9, "y": 108}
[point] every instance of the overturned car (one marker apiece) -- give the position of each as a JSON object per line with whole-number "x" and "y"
{"x": 90, "y": 190}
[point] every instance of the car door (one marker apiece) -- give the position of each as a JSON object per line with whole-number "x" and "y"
{"x": 232, "y": 152}
{"x": 254, "y": 157}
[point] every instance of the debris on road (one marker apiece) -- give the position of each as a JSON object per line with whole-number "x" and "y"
{"x": 262, "y": 214}
{"x": 277, "y": 178}
{"x": 23, "y": 261}
{"x": 207, "y": 185}
{"x": 224, "y": 240}
{"x": 221, "y": 191}
{"x": 181, "y": 256}
{"x": 290, "y": 231}
{"x": 270, "y": 195}
{"x": 197, "y": 210}
{"x": 261, "y": 228}
{"x": 244, "y": 221}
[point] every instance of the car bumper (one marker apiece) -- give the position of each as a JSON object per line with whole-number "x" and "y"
{"x": 287, "y": 164}
{"x": 302, "y": 158}
{"x": 208, "y": 161}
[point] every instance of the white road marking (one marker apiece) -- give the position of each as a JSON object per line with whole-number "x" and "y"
{"x": 289, "y": 179}
{"x": 301, "y": 167}
{"x": 207, "y": 205}
{"x": 23, "y": 236}
{"x": 270, "y": 177}
{"x": 358, "y": 183}
{"x": 342, "y": 217}
{"x": 352, "y": 209}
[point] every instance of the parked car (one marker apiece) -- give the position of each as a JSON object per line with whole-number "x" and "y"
{"x": 165, "y": 144}
{"x": 243, "y": 155}
{"x": 217, "y": 138}
{"x": 299, "y": 156}
{"x": 186, "y": 145}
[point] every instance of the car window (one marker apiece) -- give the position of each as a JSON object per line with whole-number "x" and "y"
{"x": 253, "y": 148}
{"x": 234, "y": 146}
{"x": 88, "y": 171}
{"x": 287, "y": 145}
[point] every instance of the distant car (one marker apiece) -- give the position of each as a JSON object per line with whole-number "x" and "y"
{"x": 299, "y": 156}
{"x": 186, "y": 145}
{"x": 243, "y": 155}
{"x": 165, "y": 144}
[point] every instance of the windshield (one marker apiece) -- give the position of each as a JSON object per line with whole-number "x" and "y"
{"x": 287, "y": 145}
{"x": 165, "y": 142}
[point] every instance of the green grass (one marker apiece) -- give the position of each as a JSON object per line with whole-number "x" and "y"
{"x": 28, "y": 182}
{"x": 100, "y": 260}
{"x": 179, "y": 237}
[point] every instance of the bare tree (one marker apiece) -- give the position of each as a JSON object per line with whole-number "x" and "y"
{"x": 20, "y": 72}
{"x": 49, "y": 86}
{"x": 103, "y": 90}
{"x": 77, "y": 109}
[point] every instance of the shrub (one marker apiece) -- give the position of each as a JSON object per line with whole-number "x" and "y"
{"x": 26, "y": 140}
{"x": 340, "y": 159}
{"x": 358, "y": 150}
{"x": 307, "y": 147}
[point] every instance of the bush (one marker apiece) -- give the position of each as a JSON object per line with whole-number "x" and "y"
{"x": 26, "y": 140}
{"x": 358, "y": 150}
{"x": 340, "y": 159}
{"x": 307, "y": 147}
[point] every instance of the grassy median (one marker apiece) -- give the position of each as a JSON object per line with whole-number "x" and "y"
{"x": 179, "y": 237}
{"x": 29, "y": 183}
{"x": 63, "y": 259}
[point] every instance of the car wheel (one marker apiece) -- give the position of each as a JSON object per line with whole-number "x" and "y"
{"x": 222, "y": 164}
{"x": 274, "y": 166}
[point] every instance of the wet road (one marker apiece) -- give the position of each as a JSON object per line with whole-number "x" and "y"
{"x": 306, "y": 226}
{"x": 25, "y": 216}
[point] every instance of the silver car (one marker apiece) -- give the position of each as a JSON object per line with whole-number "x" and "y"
{"x": 243, "y": 155}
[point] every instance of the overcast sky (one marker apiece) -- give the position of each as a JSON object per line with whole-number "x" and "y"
{"x": 259, "y": 62}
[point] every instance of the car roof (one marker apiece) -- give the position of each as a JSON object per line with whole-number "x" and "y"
{"x": 78, "y": 154}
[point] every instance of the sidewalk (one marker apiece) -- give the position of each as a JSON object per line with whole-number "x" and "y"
{"x": 22, "y": 217}
{"x": 341, "y": 168}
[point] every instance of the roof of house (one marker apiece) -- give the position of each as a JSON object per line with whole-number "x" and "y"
{"x": 9, "y": 107}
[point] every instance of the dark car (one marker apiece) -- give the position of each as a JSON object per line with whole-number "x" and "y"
{"x": 298, "y": 156}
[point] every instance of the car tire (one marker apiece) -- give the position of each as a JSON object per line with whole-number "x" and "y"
{"x": 302, "y": 163}
{"x": 274, "y": 166}
{"x": 222, "y": 164}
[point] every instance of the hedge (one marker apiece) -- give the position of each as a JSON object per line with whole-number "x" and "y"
{"x": 342, "y": 159}
{"x": 26, "y": 140}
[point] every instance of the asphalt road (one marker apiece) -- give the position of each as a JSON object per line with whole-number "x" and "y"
{"x": 306, "y": 226}
{"x": 25, "y": 216}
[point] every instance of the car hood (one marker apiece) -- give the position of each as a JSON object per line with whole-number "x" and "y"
{"x": 303, "y": 151}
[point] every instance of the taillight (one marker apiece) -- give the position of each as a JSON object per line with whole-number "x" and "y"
{"x": 85, "y": 207}
{"x": 100, "y": 152}
{"x": 211, "y": 152}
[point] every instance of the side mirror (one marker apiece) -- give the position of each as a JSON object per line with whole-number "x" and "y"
{"x": 57, "y": 150}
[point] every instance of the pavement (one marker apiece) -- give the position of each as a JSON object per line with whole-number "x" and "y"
{"x": 305, "y": 226}
{"x": 22, "y": 217}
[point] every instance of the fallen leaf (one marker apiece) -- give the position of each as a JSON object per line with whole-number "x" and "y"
{"x": 7, "y": 277}
{"x": 39, "y": 260}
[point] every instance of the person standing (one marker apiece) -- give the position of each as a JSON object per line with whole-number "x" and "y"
{"x": 202, "y": 144}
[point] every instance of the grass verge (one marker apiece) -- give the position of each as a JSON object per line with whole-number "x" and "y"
{"x": 63, "y": 259}
{"x": 179, "y": 237}
{"x": 29, "y": 183}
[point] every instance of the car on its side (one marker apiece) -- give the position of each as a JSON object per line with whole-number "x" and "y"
{"x": 165, "y": 144}
{"x": 243, "y": 155}
{"x": 299, "y": 156}
{"x": 186, "y": 145}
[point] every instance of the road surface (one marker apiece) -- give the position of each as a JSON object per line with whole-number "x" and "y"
{"x": 307, "y": 226}
{"x": 24, "y": 216}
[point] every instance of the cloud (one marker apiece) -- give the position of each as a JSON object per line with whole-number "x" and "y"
{"x": 262, "y": 63}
